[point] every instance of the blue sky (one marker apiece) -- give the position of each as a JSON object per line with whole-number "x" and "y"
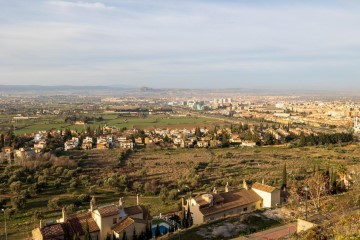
{"x": 200, "y": 44}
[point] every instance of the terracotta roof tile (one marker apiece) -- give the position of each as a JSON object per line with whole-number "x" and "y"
{"x": 53, "y": 231}
{"x": 263, "y": 187}
{"x": 109, "y": 210}
{"x": 78, "y": 223}
{"x": 133, "y": 210}
{"x": 232, "y": 199}
{"x": 118, "y": 228}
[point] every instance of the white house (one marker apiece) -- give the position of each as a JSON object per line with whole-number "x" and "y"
{"x": 269, "y": 194}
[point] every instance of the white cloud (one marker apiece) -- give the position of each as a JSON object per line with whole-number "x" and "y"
{"x": 79, "y": 4}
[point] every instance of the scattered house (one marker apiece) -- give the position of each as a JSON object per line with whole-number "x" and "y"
{"x": 71, "y": 144}
{"x": 103, "y": 221}
{"x": 6, "y": 154}
{"x": 79, "y": 122}
{"x": 22, "y": 154}
{"x": 147, "y": 140}
{"x": 215, "y": 143}
{"x": 39, "y": 146}
{"x": 213, "y": 206}
{"x": 102, "y": 143}
{"x": 202, "y": 144}
{"x": 235, "y": 139}
{"x": 87, "y": 143}
{"x": 126, "y": 145}
{"x": 138, "y": 140}
{"x": 269, "y": 194}
{"x": 248, "y": 144}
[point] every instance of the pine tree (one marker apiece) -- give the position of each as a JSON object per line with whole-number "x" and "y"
{"x": 189, "y": 219}
{"x": 284, "y": 177}
{"x": 148, "y": 231}
{"x": 157, "y": 231}
{"x": 87, "y": 231}
{"x": 113, "y": 236}
{"x": 124, "y": 237}
{"x": 134, "y": 234}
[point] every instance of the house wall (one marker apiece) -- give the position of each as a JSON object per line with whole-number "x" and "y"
{"x": 303, "y": 225}
{"x": 266, "y": 196}
{"x": 234, "y": 211}
{"x": 139, "y": 227}
{"x": 199, "y": 218}
{"x": 139, "y": 216}
{"x": 105, "y": 224}
{"x": 275, "y": 198}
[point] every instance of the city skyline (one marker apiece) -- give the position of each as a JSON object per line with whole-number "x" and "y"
{"x": 187, "y": 44}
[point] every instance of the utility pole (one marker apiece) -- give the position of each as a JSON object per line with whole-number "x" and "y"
{"x": 306, "y": 198}
{"x": 5, "y": 223}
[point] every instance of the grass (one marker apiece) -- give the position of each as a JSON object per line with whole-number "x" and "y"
{"x": 173, "y": 169}
{"x": 44, "y": 124}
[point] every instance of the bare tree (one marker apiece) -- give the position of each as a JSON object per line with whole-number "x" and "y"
{"x": 317, "y": 188}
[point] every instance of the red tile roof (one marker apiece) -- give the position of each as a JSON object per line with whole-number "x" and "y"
{"x": 263, "y": 187}
{"x": 78, "y": 223}
{"x": 118, "y": 228}
{"x": 53, "y": 231}
{"x": 109, "y": 210}
{"x": 232, "y": 199}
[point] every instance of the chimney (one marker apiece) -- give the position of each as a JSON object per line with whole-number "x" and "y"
{"x": 64, "y": 217}
{"x": 263, "y": 181}
{"x": 92, "y": 204}
{"x": 137, "y": 199}
{"x": 227, "y": 187}
{"x": 245, "y": 185}
{"x": 182, "y": 201}
{"x": 121, "y": 202}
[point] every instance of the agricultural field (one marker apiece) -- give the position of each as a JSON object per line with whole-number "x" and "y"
{"x": 46, "y": 123}
{"x": 155, "y": 174}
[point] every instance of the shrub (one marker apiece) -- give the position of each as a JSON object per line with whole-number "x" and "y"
{"x": 53, "y": 204}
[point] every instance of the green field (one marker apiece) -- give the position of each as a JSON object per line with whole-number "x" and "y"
{"x": 44, "y": 124}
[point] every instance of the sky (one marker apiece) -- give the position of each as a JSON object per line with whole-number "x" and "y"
{"x": 184, "y": 44}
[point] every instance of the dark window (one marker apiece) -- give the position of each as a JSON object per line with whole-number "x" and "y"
{"x": 245, "y": 209}
{"x": 114, "y": 220}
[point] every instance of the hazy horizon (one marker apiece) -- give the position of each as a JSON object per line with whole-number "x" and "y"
{"x": 277, "y": 45}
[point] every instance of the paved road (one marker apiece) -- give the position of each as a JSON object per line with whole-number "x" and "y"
{"x": 272, "y": 233}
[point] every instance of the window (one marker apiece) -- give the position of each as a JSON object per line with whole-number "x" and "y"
{"x": 253, "y": 207}
{"x": 245, "y": 209}
{"x": 114, "y": 220}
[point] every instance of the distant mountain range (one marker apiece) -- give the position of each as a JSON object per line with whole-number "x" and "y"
{"x": 60, "y": 88}
{"x": 148, "y": 91}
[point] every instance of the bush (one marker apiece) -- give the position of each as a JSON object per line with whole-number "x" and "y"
{"x": 84, "y": 198}
{"x": 173, "y": 194}
{"x": 92, "y": 190}
{"x": 15, "y": 187}
{"x": 71, "y": 208}
{"x": 53, "y": 204}
{"x": 18, "y": 202}
{"x": 57, "y": 183}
